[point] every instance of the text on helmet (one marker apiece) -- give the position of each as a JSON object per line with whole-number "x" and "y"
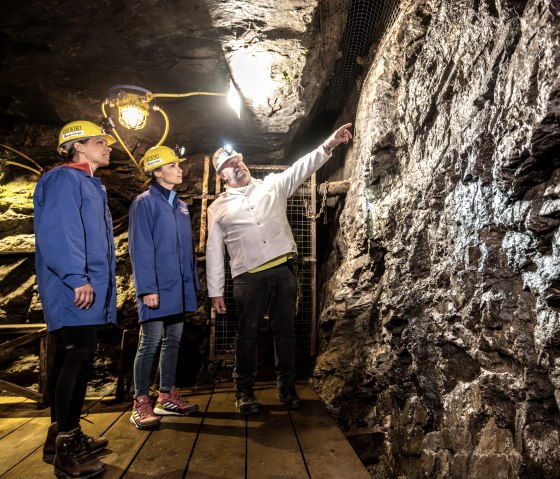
{"x": 153, "y": 160}
{"x": 72, "y": 131}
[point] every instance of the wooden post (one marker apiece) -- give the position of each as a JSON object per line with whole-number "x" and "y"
{"x": 213, "y": 317}
{"x": 213, "y": 314}
{"x": 124, "y": 378}
{"x": 44, "y": 365}
{"x": 21, "y": 391}
{"x": 313, "y": 266}
{"x": 204, "y": 205}
{"x": 218, "y": 188}
{"x": 7, "y": 348}
{"x": 335, "y": 188}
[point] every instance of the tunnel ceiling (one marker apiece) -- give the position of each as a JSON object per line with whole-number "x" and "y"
{"x": 58, "y": 59}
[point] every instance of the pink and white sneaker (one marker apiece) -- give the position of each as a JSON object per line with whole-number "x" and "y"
{"x": 171, "y": 404}
{"x": 142, "y": 415}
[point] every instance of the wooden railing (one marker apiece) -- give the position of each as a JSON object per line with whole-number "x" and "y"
{"x": 31, "y": 332}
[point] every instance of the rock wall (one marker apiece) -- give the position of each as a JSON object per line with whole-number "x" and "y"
{"x": 440, "y": 318}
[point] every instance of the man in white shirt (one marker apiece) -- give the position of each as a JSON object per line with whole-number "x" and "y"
{"x": 250, "y": 219}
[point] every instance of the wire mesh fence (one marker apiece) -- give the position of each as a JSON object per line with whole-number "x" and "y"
{"x": 367, "y": 21}
{"x": 224, "y": 327}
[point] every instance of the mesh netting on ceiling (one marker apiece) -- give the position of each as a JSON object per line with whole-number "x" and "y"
{"x": 366, "y": 23}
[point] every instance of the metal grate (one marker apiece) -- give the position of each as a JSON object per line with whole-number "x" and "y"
{"x": 224, "y": 327}
{"x": 366, "y": 23}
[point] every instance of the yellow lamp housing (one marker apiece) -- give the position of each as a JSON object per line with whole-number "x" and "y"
{"x": 132, "y": 114}
{"x": 133, "y": 105}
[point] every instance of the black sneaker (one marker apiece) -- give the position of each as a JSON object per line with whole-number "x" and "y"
{"x": 247, "y": 404}
{"x": 289, "y": 397}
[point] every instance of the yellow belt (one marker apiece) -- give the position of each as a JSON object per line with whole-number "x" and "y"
{"x": 272, "y": 263}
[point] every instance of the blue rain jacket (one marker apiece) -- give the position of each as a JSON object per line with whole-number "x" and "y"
{"x": 161, "y": 248}
{"x": 74, "y": 246}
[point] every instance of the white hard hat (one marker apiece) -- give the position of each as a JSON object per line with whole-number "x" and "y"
{"x": 223, "y": 155}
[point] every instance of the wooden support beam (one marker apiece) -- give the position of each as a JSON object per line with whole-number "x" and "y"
{"x": 45, "y": 364}
{"x": 334, "y": 188}
{"x": 204, "y": 206}
{"x": 213, "y": 315}
{"x": 218, "y": 186}
{"x": 21, "y": 391}
{"x": 21, "y": 328}
{"x": 313, "y": 267}
{"x": 7, "y": 347}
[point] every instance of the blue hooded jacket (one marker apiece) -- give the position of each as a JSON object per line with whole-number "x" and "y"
{"x": 74, "y": 246}
{"x": 161, "y": 248}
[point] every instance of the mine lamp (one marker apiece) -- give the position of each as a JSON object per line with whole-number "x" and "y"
{"x": 134, "y": 103}
{"x": 234, "y": 100}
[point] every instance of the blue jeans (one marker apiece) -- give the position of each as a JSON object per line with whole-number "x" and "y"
{"x": 273, "y": 289}
{"x": 168, "y": 332}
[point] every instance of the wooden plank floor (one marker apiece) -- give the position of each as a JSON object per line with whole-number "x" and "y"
{"x": 217, "y": 442}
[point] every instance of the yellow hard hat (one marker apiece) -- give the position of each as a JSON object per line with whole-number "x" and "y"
{"x": 222, "y": 155}
{"x": 79, "y": 130}
{"x": 159, "y": 156}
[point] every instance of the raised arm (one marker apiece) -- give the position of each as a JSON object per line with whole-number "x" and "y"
{"x": 342, "y": 135}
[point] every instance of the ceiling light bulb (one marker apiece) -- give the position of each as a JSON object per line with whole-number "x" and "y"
{"x": 132, "y": 117}
{"x": 234, "y": 100}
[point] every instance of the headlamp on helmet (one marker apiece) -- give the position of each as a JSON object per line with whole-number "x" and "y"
{"x": 223, "y": 155}
{"x": 159, "y": 156}
{"x": 180, "y": 150}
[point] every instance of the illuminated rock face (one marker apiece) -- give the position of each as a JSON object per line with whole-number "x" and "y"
{"x": 166, "y": 47}
{"x": 266, "y": 49}
{"x": 440, "y": 329}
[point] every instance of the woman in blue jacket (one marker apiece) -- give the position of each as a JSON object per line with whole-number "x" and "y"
{"x": 75, "y": 263}
{"x": 165, "y": 278}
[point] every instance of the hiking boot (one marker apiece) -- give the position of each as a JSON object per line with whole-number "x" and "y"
{"x": 246, "y": 403}
{"x": 289, "y": 397}
{"x": 72, "y": 460}
{"x": 93, "y": 445}
{"x": 171, "y": 404}
{"x": 143, "y": 416}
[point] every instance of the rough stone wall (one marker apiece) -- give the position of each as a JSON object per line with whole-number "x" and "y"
{"x": 440, "y": 319}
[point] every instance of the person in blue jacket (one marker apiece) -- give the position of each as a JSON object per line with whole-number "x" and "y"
{"x": 166, "y": 280}
{"x": 75, "y": 263}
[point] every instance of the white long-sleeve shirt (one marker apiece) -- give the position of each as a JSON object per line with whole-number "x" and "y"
{"x": 251, "y": 221}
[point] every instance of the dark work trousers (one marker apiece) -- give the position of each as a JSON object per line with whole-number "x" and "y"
{"x": 73, "y": 348}
{"x": 273, "y": 289}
